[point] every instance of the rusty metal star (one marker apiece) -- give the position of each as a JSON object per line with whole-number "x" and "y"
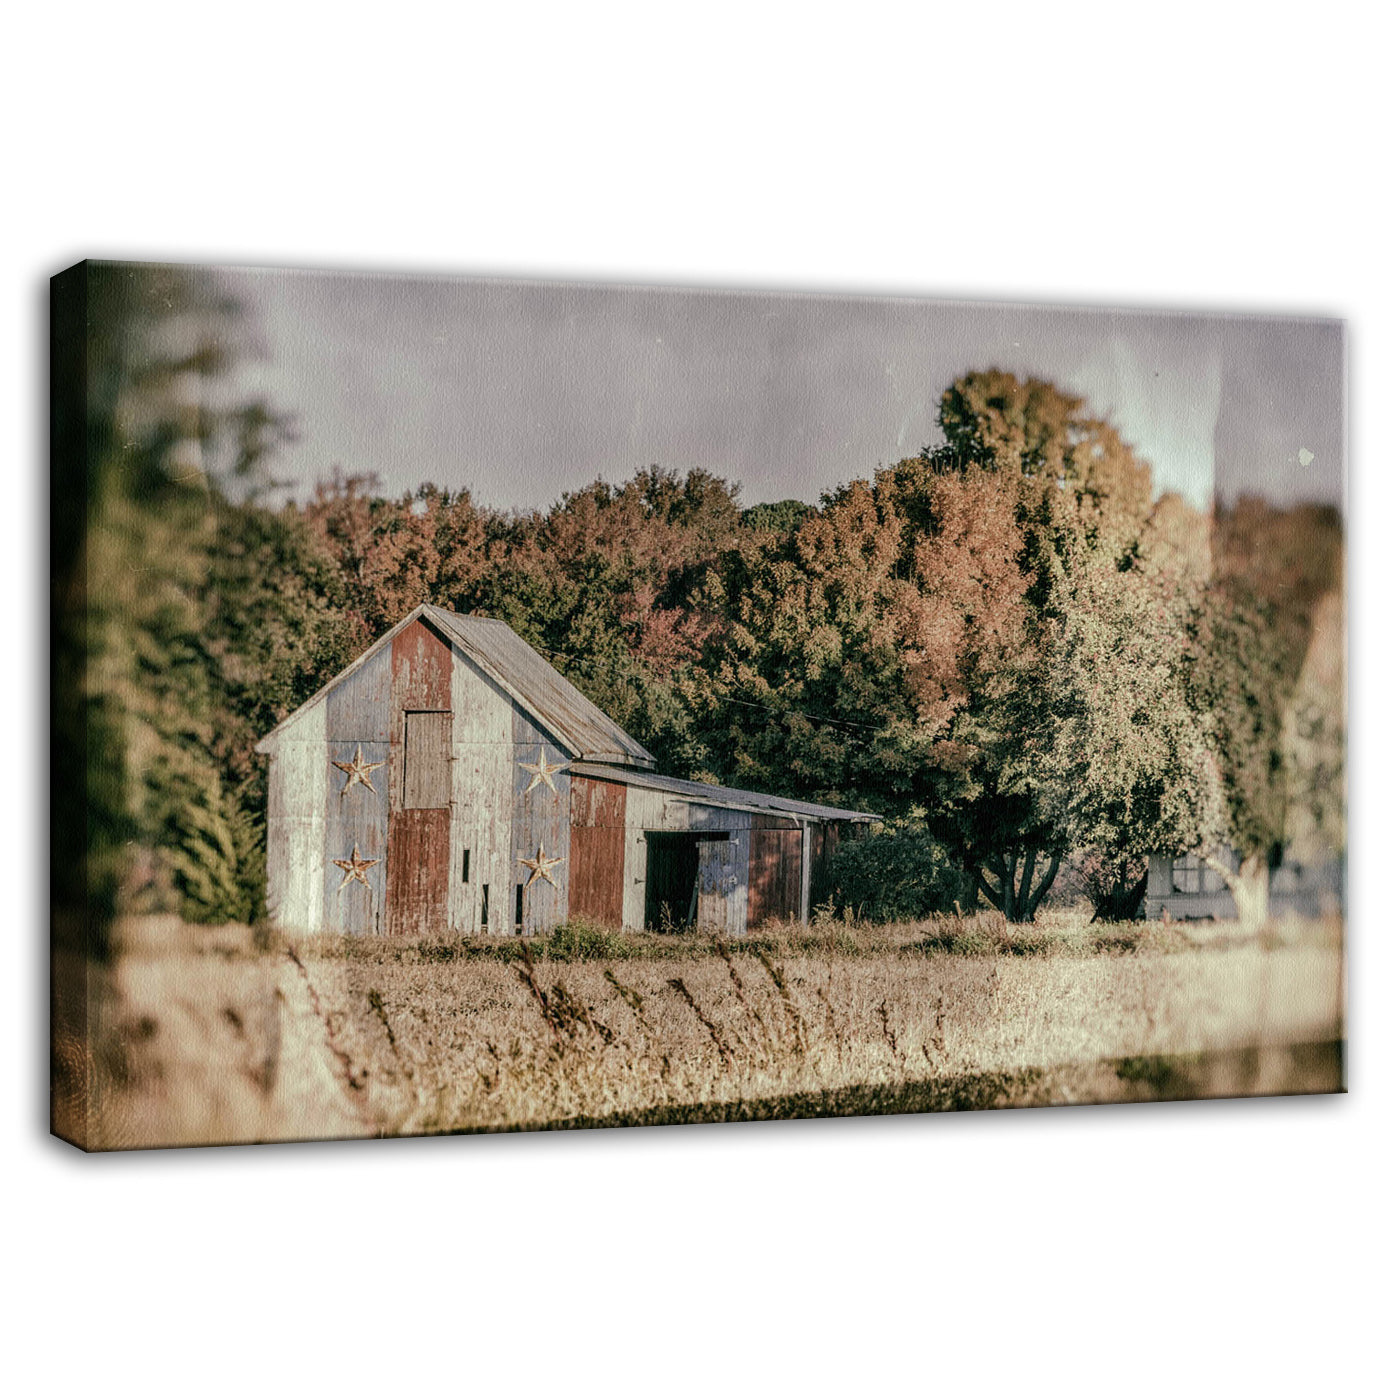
{"x": 354, "y": 869}
{"x": 357, "y": 772}
{"x": 540, "y": 866}
{"x": 541, "y": 771}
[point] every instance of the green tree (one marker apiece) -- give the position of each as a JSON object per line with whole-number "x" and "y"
{"x": 1134, "y": 770}
{"x": 1272, "y": 568}
{"x": 141, "y": 448}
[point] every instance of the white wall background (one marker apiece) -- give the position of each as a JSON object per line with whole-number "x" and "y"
{"x": 1195, "y": 155}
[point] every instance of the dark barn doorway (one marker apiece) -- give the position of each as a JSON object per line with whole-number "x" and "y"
{"x": 674, "y": 866}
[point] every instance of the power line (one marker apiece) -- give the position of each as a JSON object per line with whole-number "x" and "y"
{"x": 754, "y": 705}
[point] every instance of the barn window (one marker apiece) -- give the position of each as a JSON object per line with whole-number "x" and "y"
{"x": 466, "y": 865}
{"x": 427, "y": 781}
{"x": 1188, "y": 875}
{"x": 483, "y": 919}
{"x": 517, "y": 913}
{"x": 1193, "y": 876}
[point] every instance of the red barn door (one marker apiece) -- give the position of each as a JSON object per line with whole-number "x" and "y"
{"x": 597, "y": 850}
{"x": 418, "y": 840}
{"x": 775, "y": 869}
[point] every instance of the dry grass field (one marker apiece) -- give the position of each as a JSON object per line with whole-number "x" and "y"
{"x": 217, "y": 1036}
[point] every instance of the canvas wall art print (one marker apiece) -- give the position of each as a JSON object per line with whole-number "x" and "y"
{"x": 483, "y": 705}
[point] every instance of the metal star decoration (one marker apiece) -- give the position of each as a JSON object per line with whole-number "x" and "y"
{"x": 540, "y": 866}
{"x": 354, "y": 869}
{"x": 541, "y": 772}
{"x": 357, "y": 772}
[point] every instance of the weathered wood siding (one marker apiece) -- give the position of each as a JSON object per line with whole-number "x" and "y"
{"x": 482, "y": 802}
{"x": 418, "y": 841}
{"x": 540, "y": 823}
{"x": 724, "y": 878}
{"x": 642, "y": 810}
{"x": 357, "y": 715}
{"x": 298, "y": 783}
{"x": 775, "y": 869}
{"x": 428, "y": 755}
{"x": 597, "y": 850}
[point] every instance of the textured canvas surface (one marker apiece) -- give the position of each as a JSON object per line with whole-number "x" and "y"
{"x": 483, "y": 705}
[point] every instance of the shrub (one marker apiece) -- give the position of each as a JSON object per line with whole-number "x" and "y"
{"x": 580, "y": 941}
{"x": 897, "y": 873}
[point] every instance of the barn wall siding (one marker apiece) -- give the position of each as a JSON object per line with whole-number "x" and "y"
{"x": 295, "y": 830}
{"x": 418, "y": 887}
{"x": 355, "y": 816}
{"x": 359, "y": 707}
{"x": 357, "y": 716}
{"x": 483, "y": 717}
{"x": 540, "y": 826}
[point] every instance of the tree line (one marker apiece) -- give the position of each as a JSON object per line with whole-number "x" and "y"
{"x": 1005, "y": 644}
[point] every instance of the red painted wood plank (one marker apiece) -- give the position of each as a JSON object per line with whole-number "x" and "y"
{"x": 775, "y": 869}
{"x": 594, "y": 802}
{"x": 421, "y": 669}
{"x": 418, "y": 870}
{"x": 418, "y": 838}
{"x": 597, "y": 850}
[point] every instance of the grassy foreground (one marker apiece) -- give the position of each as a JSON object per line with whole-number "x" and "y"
{"x": 214, "y": 1036}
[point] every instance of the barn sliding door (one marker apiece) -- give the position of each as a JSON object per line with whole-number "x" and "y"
{"x": 419, "y": 854}
{"x": 775, "y": 869}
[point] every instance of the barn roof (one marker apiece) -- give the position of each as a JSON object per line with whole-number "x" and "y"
{"x": 713, "y": 795}
{"x": 541, "y": 690}
{"x": 537, "y": 687}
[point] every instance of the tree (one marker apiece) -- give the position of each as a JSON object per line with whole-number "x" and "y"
{"x": 803, "y": 691}
{"x": 895, "y": 873}
{"x": 1134, "y": 770}
{"x": 139, "y": 460}
{"x": 898, "y": 648}
{"x": 1028, "y": 514}
{"x": 1272, "y": 567}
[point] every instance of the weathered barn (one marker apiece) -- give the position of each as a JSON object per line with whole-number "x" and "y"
{"x": 452, "y": 780}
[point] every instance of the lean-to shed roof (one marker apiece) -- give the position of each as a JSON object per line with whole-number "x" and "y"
{"x": 577, "y": 724}
{"x": 713, "y": 795}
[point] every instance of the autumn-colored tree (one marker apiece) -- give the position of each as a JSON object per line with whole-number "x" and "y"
{"x": 805, "y": 693}
{"x": 620, "y": 586}
{"x": 976, "y": 645}
{"x": 899, "y": 648}
{"x": 1028, "y": 513}
{"x": 393, "y": 554}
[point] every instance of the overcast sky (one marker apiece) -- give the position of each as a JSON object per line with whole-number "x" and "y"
{"x": 519, "y": 391}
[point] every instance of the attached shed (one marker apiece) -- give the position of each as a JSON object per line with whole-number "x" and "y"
{"x": 452, "y": 780}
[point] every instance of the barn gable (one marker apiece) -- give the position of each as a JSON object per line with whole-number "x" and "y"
{"x": 546, "y": 698}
